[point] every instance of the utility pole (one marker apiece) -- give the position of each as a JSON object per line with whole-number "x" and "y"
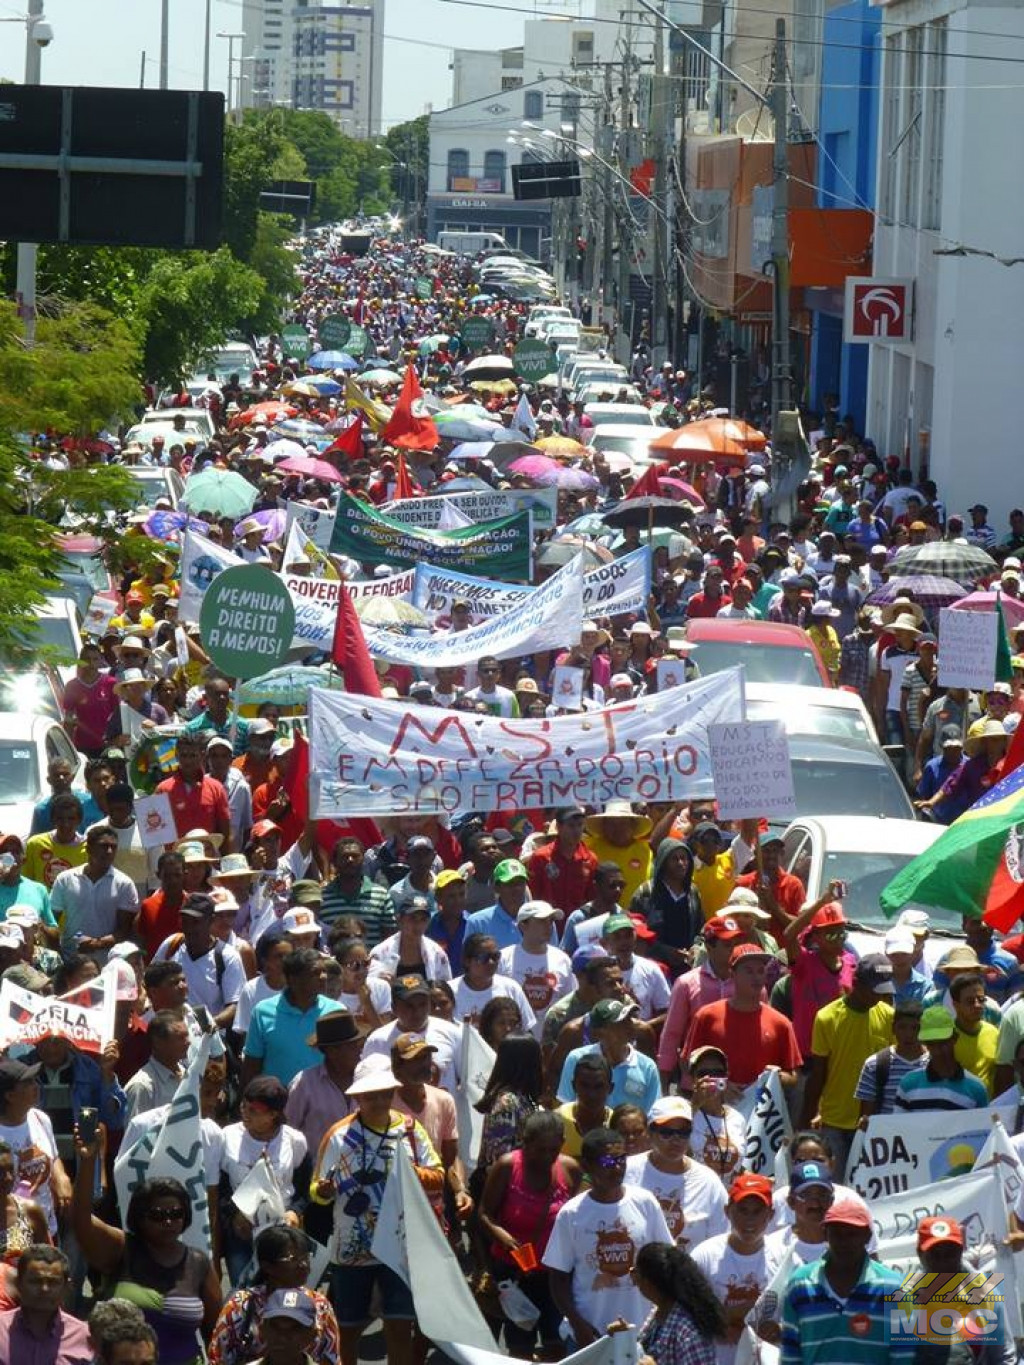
{"x": 659, "y": 98}
{"x": 607, "y": 217}
{"x": 25, "y": 280}
{"x": 206, "y": 47}
{"x": 622, "y": 299}
{"x": 781, "y": 373}
{"x": 165, "y": 16}
{"x": 142, "y": 70}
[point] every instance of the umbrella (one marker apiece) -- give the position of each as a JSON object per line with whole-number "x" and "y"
{"x": 471, "y": 450}
{"x": 549, "y": 473}
{"x": 466, "y": 407}
{"x": 220, "y": 491}
{"x": 346, "y": 363}
{"x": 389, "y": 611}
{"x": 502, "y": 386}
{"x": 649, "y": 512}
{"x": 550, "y": 381}
{"x": 590, "y": 524}
{"x": 284, "y": 449}
{"x": 310, "y": 468}
{"x": 732, "y": 429}
{"x": 272, "y": 520}
{"x": 314, "y": 386}
{"x": 433, "y": 343}
{"x": 696, "y": 443}
{"x": 287, "y": 686}
{"x": 558, "y": 552}
{"x": 1013, "y": 608}
{"x": 164, "y": 525}
{"x": 274, "y": 411}
{"x": 489, "y": 367}
{"x": 299, "y": 428}
{"x": 662, "y": 537}
{"x": 467, "y": 428}
{"x": 304, "y": 388}
{"x": 380, "y": 379}
{"x": 927, "y": 590}
{"x": 466, "y": 483}
{"x": 560, "y": 446}
{"x": 677, "y": 488}
{"x": 326, "y": 360}
{"x": 963, "y": 563}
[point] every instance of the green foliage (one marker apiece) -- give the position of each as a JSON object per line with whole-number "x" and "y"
{"x": 275, "y": 266}
{"x": 250, "y": 150}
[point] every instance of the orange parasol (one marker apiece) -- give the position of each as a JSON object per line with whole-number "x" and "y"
{"x": 692, "y": 444}
{"x": 274, "y": 411}
{"x": 735, "y": 430}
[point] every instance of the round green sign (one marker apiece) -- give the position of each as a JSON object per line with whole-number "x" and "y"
{"x": 247, "y": 621}
{"x": 357, "y": 341}
{"x": 424, "y": 288}
{"x": 532, "y": 358}
{"x": 476, "y": 333}
{"x": 334, "y": 332}
{"x": 295, "y": 341}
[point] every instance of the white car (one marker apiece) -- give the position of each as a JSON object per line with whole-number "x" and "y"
{"x": 865, "y": 852}
{"x": 27, "y": 744}
{"x": 541, "y": 314}
{"x": 197, "y": 418}
{"x": 157, "y": 482}
{"x": 617, "y": 414}
{"x": 829, "y": 713}
{"x": 629, "y": 445}
{"x": 60, "y": 629}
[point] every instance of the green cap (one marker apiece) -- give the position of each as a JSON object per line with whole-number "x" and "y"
{"x": 607, "y": 1012}
{"x": 614, "y": 923}
{"x": 937, "y": 1024}
{"x": 510, "y": 870}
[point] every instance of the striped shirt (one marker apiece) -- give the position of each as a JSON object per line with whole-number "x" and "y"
{"x": 924, "y": 1090}
{"x": 867, "y": 1086}
{"x": 820, "y": 1327}
{"x": 372, "y": 904}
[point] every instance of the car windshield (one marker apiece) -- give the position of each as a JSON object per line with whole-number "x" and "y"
{"x": 56, "y": 634}
{"x": 827, "y": 787}
{"x": 831, "y": 722}
{"x": 866, "y": 876}
{"x": 763, "y": 663}
{"x": 88, "y": 565}
{"x": 623, "y": 419}
{"x": 151, "y": 489}
{"x": 19, "y": 772}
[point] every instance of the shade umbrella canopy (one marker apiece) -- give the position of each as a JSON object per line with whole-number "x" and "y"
{"x": 459, "y": 428}
{"x": 549, "y": 381}
{"x": 288, "y": 686}
{"x": 489, "y": 367}
{"x": 1013, "y": 608}
{"x": 220, "y": 491}
{"x": 964, "y": 563}
{"x": 696, "y": 444}
{"x": 648, "y": 512}
{"x": 504, "y": 387}
{"x": 380, "y": 379}
{"x": 346, "y": 364}
{"x": 680, "y": 490}
{"x": 273, "y": 521}
{"x": 548, "y": 473}
{"x": 389, "y": 611}
{"x": 662, "y": 537}
{"x": 432, "y": 343}
{"x": 321, "y": 385}
{"x": 928, "y": 590}
{"x": 275, "y": 410}
{"x": 309, "y": 468}
{"x": 732, "y": 429}
{"x": 305, "y": 388}
{"x": 284, "y": 449}
{"x": 466, "y": 407}
{"x": 558, "y": 552}
{"x": 465, "y": 483}
{"x": 325, "y": 360}
{"x": 560, "y": 445}
{"x": 471, "y": 450}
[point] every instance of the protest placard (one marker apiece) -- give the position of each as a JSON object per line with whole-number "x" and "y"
{"x": 753, "y": 776}
{"x": 373, "y": 757}
{"x": 485, "y": 505}
{"x": 155, "y": 820}
{"x": 247, "y": 620}
{"x": 84, "y": 1017}
{"x": 764, "y": 1107}
{"x": 316, "y": 602}
{"x": 201, "y": 561}
{"x": 567, "y": 687}
{"x": 315, "y": 523}
{"x": 98, "y": 616}
{"x": 670, "y": 673}
{"x": 902, "y": 1151}
{"x": 967, "y": 648}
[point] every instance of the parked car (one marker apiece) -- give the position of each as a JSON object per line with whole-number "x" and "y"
{"x": 846, "y": 777}
{"x": 828, "y": 712}
{"x": 60, "y": 631}
{"x": 617, "y": 414}
{"x": 27, "y": 744}
{"x": 769, "y": 651}
{"x": 197, "y": 418}
{"x": 157, "y": 482}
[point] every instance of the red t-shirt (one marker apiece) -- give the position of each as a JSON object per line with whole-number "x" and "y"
{"x": 92, "y": 706}
{"x": 788, "y": 890}
{"x": 198, "y": 805}
{"x": 701, "y": 607}
{"x": 751, "y": 1039}
{"x": 565, "y": 882}
{"x": 157, "y": 921}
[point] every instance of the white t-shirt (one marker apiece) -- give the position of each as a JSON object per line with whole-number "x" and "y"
{"x": 648, "y": 985}
{"x": 211, "y": 1135}
{"x": 718, "y": 1141}
{"x": 693, "y": 1202}
{"x": 544, "y": 977}
{"x": 35, "y": 1150}
{"x": 737, "y": 1280}
{"x": 201, "y": 974}
{"x": 439, "y": 1033}
{"x": 782, "y": 1242}
{"x": 380, "y": 998}
{"x": 469, "y": 1004}
{"x": 284, "y": 1152}
{"x": 252, "y": 993}
{"x": 598, "y": 1244}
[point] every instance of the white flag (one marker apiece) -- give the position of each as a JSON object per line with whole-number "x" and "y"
{"x": 475, "y": 1065}
{"x": 523, "y": 419}
{"x": 201, "y": 562}
{"x": 451, "y": 518}
{"x": 258, "y": 1197}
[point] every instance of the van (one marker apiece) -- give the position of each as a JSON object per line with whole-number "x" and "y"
{"x": 471, "y": 243}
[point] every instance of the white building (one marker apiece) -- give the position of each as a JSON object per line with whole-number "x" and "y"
{"x": 947, "y": 183}
{"x": 266, "y": 53}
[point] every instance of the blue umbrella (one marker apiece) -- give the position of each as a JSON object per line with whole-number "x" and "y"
{"x": 326, "y": 360}
{"x": 346, "y": 363}
{"x": 298, "y": 428}
{"x": 325, "y": 385}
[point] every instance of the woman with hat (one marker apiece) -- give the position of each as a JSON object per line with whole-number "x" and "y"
{"x": 893, "y": 661}
{"x": 719, "y": 1130}
{"x": 985, "y": 746}
{"x": 250, "y": 533}
{"x": 136, "y": 711}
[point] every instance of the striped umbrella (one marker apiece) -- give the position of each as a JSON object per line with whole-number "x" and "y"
{"x": 964, "y": 563}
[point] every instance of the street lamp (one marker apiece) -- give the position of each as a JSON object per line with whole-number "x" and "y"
{"x": 232, "y": 38}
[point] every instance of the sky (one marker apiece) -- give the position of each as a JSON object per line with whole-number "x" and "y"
{"x": 100, "y": 42}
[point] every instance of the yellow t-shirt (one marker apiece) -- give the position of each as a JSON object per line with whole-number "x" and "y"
{"x": 847, "y": 1037}
{"x": 976, "y": 1052}
{"x": 714, "y": 881}
{"x": 572, "y": 1143}
{"x": 635, "y": 861}
{"x": 44, "y": 858}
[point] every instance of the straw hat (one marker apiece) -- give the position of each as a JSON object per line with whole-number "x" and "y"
{"x": 905, "y": 622}
{"x": 620, "y": 810}
{"x": 902, "y": 606}
{"x": 982, "y": 730}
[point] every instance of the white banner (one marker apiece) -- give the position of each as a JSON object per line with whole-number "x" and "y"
{"x": 174, "y": 1149}
{"x": 900, "y": 1152}
{"x": 201, "y": 561}
{"x": 316, "y": 603}
{"x": 375, "y": 757}
{"x": 475, "y": 1066}
{"x": 768, "y": 1127}
{"x": 85, "y": 1017}
{"x": 480, "y": 506}
{"x": 967, "y": 648}
{"x": 753, "y": 774}
{"x": 314, "y": 523}
{"x": 299, "y": 549}
{"x": 549, "y": 617}
{"x": 611, "y": 590}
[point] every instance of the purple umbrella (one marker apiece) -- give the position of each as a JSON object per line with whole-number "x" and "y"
{"x": 548, "y": 473}
{"x": 273, "y": 521}
{"x": 163, "y": 525}
{"x": 927, "y": 590}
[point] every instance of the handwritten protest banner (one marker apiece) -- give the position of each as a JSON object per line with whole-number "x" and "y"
{"x": 548, "y": 617}
{"x": 315, "y": 523}
{"x": 503, "y": 547}
{"x": 614, "y": 589}
{"x": 764, "y": 1107}
{"x": 85, "y": 1017}
{"x": 371, "y": 756}
{"x": 753, "y": 776}
{"x": 489, "y": 505}
{"x": 316, "y": 602}
{"x": 899, "y": 1152}
{"x": 967, "y": 648}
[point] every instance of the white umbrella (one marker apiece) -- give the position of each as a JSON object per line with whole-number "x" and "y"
{"x": 489, "y": 367}
{"x": 284, "y": 449}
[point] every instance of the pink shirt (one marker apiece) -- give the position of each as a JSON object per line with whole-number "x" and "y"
{"x": 814, "y": 985}
{"x": 66, "y": 1344}
{"x": 92, "y": 707}
{"x": 695, "y": 988}
{"x": 437, "y": 1115}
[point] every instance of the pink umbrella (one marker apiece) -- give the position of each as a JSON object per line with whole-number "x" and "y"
{"x": 549, "y": 473}
{"x": 681, "y": 491}
{"x": 273, "y": 522}
{"x": 1013, "y": 608}
{"x": 310, "y": 468}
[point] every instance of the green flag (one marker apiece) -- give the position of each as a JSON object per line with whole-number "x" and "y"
{"x": 1004, "y": 666}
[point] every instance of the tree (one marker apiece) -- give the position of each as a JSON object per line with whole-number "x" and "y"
{"x": 409, "y": 145}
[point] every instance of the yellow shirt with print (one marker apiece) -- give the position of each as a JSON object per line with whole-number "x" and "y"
{"x": 976, "y": 1052}
{"x": 635, "y": 861}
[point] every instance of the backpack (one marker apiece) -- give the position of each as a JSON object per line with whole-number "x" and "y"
{"x": 176, "y": 941}
{"x": 883, "y": 1068}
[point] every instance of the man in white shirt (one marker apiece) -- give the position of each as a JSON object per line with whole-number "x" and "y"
{"x": 219, "y": 757}
{"x": 481, "y": 982}
{"x": 213, "y": 970}
{"x": 410, "y": 998}
{"x": 155, "y": 1082}
{"x": 544, "y": 973}
{"x": 500, "y": 701}
{"x": 95, "y": 904}
{"x": 644, "y": 980}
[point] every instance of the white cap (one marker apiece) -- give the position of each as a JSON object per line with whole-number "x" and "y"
{"x": 373, "y": 1073}
{"x": 300, "y": 920}
{"x": 823, "y": 609}
{"x": 899, "y": 941}
{"x": 917, "y": 921}
{"x": 123, "y": 951}
{"x": 536, "y": 910}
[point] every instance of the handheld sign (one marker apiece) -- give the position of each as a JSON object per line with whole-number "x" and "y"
{"x": 295, "y": 341}
{"x": 532, "y": 358}
{"x": 752, "y": 772}
{"x": 247, "y": 621}
{"x": 967, "y": 648}
{"x": 334, "y": 331}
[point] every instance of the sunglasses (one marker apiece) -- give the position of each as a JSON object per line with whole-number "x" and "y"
{"x": 836, "y": 935}
{"x": 672, "y": 1134}
{"x": 611, "y": 1163}
{"x": 487, "y": 957}
{"x": 166, "y": 1215}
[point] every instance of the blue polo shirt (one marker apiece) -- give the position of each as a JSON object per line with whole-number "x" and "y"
{"x": 496, "y": 924}
{"x": 278, "y": 1033}
{"x": 634, "y": 1081}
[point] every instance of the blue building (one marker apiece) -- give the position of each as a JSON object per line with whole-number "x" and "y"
{"x": 847, "y": 159}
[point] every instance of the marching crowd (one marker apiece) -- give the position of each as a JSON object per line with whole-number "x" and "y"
{"x": 632, "y": 971}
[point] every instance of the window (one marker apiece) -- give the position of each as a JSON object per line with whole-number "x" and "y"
{"x": 458, "y": 165}
{"x": 533, "y": 104}
{"x": 890, "y": 126}
{"x": 494, "y": 171}
{"x": 511, "y": 82}
{"x": 934, "y": 127}
{"x": 346, "y": 42}
{"x": 910, "y": 133}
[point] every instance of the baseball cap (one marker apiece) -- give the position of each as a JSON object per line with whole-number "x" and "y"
{"x": 668, "y": 1108}
{"x": 409, "y": 1045}
{"x": 262, "y": 828}
{"x": 614, "y": 923}
{"x": 300, "y": 920}
{"x": 446, "y": 878}
{"x": 899, "y": 941}
{"x": 937, "y": 1025}
{"x": 568, "y": 813}
{"x": 219, "y": 742}
{"x": 590, "y": 952}
{"x": 875, "y": 971}
{"x": 851, "y": 1211}
{"x": 951, "y": 737}
{"x": 917, "y": 921}
{"x": 705, "y": 830}
{"x": 12, "y": 1071}
{"x": 642, "y": 928}
{"x": 827, "y": 916}
{"x": 197, "y": 905}
{"x": 748, "y": 1186}
{"x": 745, "y": 950}
{"x": 607, "y": 1012}
{"x": 536, "y": 910}
{"x": 405, "y": 987}
{"x": 808, "y": 1173}
{"x": 770, "y": 836}
{"x": 297, "y": 1304}
{"x": 722, "y": 927}
{"x": 419, "y": 843}
{"x": 932, "y": 1232}
{"x": 123, "y": 950}
{"x": 305, "y": 893}
{"x": 412, "y": 904}
{"x": 510, "y": 870}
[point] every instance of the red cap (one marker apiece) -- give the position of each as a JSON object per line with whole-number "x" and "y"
{"x": 827, "y": 916}
{"x": 749, "y": 1186}
{"x": 851, "y": 1211}
{"x": 723, "y": 927}
{"x": 135, "y": 596}
{"x": 262, "y": 828}
{"x": 932, "y": 1232}
{"x": 640, "y": 925}
{"x": 746, "y": 950}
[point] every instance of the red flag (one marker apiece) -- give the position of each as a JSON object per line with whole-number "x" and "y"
{"x": 1004, "y": 903}
{"x": 647, "y": 486}
{"x": 350, "y": 442}
{"x": 360, "y": 827}
{"x": 404, "y": 486}
{"x": 349, "y": 653}
{"x": 404, "y": 428}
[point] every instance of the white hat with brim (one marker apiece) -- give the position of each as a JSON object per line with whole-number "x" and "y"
{"x": 131, "y": 677}
{"x": 133, "y": 642}
{"x": 621, "y": 810}
{"x": 373, "y": 1073}
{"x": 905, "y": 622}
{"x": 901, "y": 606}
